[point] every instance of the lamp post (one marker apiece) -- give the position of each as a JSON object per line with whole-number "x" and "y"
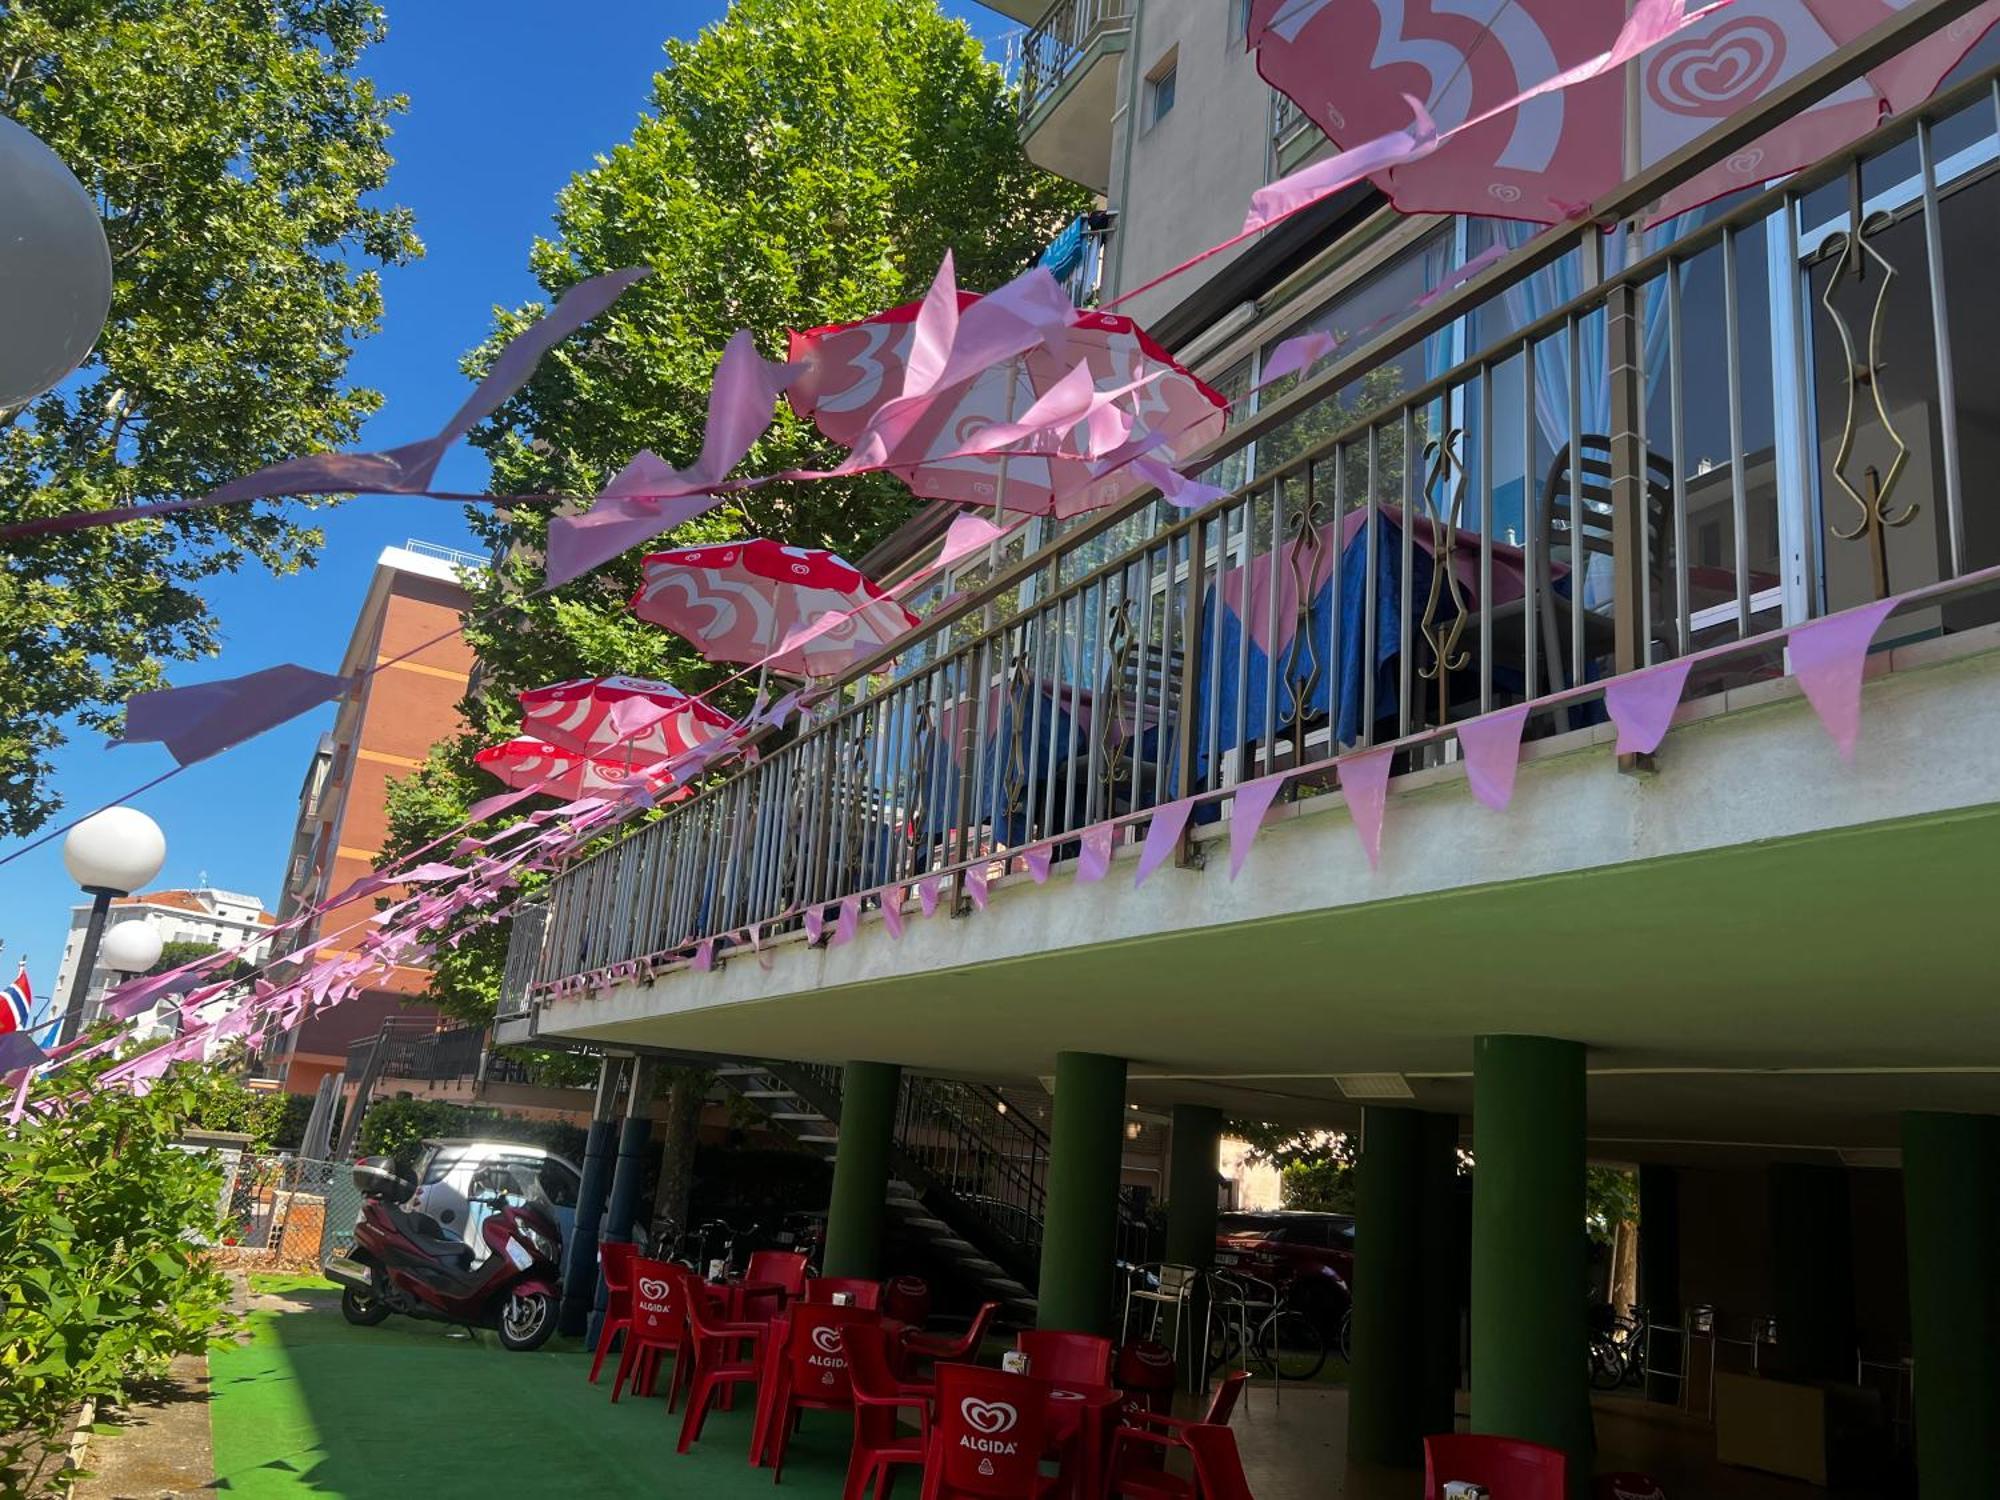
{"x": 110, "y": 854}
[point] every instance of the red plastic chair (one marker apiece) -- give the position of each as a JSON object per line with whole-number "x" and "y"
{"x": 614, "y": 1264}
{"x": 811, "y": 1375}
{"x": 878, "y": 1395}
{"x": 1511, "y": 1468}
{"x": 1067, "y": 1358}
{"x": 1627, "y": 1486}
{"x": 1218, "y": 1468}
{"x": 726, "y": 1355}
{"x": 860, "y": 1291}
{"x": 987, "y": 1437}
{"x": 907, "y": 1299}
{"x": 1146, "y": 1373}
{"x": 772, "y": 1279}
{"x": 946, "y": 1348}
{"x": 657, "y": 1327}
{"x": 1137, "y": 1467}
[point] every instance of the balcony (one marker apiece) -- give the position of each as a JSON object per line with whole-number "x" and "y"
{"x": 1450, "y": 520}
{"x": 1069, "y": 88}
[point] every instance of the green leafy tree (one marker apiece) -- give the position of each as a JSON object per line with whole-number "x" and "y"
{"x": 178, "y": 952}
{"x": 804, "y": 162}
{"x": 103, "y": 1271}
{"x": 232, "y": 144}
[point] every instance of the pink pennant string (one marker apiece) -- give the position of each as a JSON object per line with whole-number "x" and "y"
{"x": 849, "y": 922}
{"x": 1492, "y": 745}
{"x": 975, "y": 885}
{"x": 1253, "y": 801}
{"x": 1364, "y": 779}
{"x": 204, "y": 719}
{"x": 1642, "y": 705}
{"x": 1093, "y": 860}
{"x": 486, "y": 807}
{"x": 1163, "y": 838}
{"x": 1829, "y": 657}
{"x": 927, "y": 895}
{"x": 1037, "y": 861}
{"x": 704, "y": 956}
{"x": 892, "y": 910}
{"x": 1297, "y": 353}
{"x": 815, "y": 924}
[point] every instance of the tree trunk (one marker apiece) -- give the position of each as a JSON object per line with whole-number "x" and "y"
{"x": 1624, "y": 1265}
{"x": 685, "y": 1097}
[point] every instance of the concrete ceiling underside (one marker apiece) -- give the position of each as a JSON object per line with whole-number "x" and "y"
{"x": 1791, "y": 994}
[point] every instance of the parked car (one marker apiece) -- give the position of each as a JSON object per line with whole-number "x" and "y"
{"x": 445, "y": 1170}
{"x": 1310, "y": 1255}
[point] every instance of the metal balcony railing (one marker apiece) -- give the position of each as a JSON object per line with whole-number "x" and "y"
{"x": 1060, "y": 41}
{"x": 1430, "y": 535}
{"x": 409, "y": 1049}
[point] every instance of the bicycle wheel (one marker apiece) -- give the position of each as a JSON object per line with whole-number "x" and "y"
{"x": 1607, "y": 1365}
{"x": 1224, "y": 1352}
{"x": 1292, "y": 1345}
{"x": 1347, "y": 1336}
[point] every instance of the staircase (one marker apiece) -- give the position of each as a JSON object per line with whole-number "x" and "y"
{"x": 967, "y": 1171}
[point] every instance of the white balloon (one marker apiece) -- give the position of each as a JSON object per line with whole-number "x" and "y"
{"x": 119, "y": 849}
{"x": 130, "y": 947}
{"x": 55, "y": 268}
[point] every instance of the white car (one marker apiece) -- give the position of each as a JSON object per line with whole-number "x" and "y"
{"x": 446, "y": 1168}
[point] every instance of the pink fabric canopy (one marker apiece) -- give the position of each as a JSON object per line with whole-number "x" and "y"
{"x": 525, "y": 763}
{"x": 846, "y": 371}
{"x": 1349, "y": 63}
{"x": 627, "y": 719}
{"x": 753, "y": 601}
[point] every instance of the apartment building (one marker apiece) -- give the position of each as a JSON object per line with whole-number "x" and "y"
{"x": 216, "y": 918}
{"x": 382, "y": 730}
{"x": 1513, "y": 501}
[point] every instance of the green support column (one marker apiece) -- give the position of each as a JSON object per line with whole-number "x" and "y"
{"x": 1951, "y": 1195}
{"x": 1080, "y": 1229}
{"x": 1812, "y": 1244}
{"x": 861, "y": 1169}
{"x": 1405, "y": 1308}
{"x": 1192, "y": 1172}
{"x": 1530, "y": 1368}
{"x": 1660, "y": 1270}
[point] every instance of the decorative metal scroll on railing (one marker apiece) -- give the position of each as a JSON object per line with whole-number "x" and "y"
{"x": 1432, "y": 538}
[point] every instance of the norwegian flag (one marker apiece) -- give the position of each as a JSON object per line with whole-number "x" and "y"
{"x": 17, "y": 1003}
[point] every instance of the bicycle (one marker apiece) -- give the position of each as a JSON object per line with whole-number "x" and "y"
{"x": 1258, "y": 1326}
{"x": 1617, "y": 1350}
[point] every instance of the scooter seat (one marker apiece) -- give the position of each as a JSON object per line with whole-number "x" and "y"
{"x": 435, "y": 1238}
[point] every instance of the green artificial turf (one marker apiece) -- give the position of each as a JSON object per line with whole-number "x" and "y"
{"x": 305, "y": 1404}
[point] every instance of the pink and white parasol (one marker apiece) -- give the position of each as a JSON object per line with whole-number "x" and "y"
{"x": 629, "y": 719}
{"x": 1349, "y": 63}
{"x": 531, "y": 763}
{"x": 762, "y": 602}
{"x": 844, "y": 372}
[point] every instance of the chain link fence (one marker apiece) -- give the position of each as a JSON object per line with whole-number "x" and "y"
{"x": 284, "y": 1213}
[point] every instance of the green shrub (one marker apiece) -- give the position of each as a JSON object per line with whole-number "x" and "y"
{"x": 103, "y": 1273}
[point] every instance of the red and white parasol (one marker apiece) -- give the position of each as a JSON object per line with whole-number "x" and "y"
{"x": 630, "y": 719}
{"x": 529, "y": 763}
{"x": 844, "y": 372}
{"x": 765, "y": 603}
{"x": 1348, "y": 64}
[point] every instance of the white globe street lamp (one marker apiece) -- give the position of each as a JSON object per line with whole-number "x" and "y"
{"x": 109, "y": 854}
{"x": 55, "y": 268}
{"x": 130, "y": 947}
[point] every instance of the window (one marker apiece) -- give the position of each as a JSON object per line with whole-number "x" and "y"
{"x": 1239, "y": 24}
{"x": 1160, "y": 88}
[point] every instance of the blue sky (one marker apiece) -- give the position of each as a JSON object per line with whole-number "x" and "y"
{"x": 505, "y": 103}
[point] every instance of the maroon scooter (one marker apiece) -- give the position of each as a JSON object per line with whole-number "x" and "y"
{"x": 404, "y": 1261}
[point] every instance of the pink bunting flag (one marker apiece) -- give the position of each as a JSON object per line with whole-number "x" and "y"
{"x": 1295, "y": 354}
{"x": 1253, "y": 802}
{"x": 1163, "y": 837}
{"x": 199, "y": 721}
{"x": 966, "y": 535}
{"x": 927, "y": 895}
{"x": 486, "y": 807}
{"x": 704, "y": 956}
{"x": 633, "y": 507}
{"x": 892, "y": 910}
{"x": 1364, "y": 779}
{"x": 1492, "y": 745}
{"x": 1176, "y": 488}
{"x": 1829, "y": 657}
{"x": 815, "y": 923}
{"x": 1093, "y": 861}
{"x": 1642, "y": 705}
{"x": 849, "y": 922}
{"x": 1286, "y": 196}
{"x": 1037, "y": 861}
{"x": 975, "y": 885}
